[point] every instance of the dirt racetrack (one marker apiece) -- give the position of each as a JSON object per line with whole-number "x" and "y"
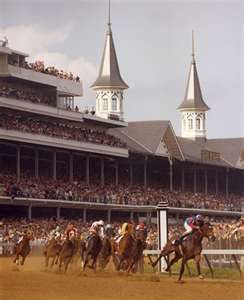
{"x": 31, "y": 282}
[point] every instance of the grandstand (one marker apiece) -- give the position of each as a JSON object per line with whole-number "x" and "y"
{"x": 59, "y": 160}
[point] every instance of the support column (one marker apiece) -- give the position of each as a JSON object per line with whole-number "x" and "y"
{"x": 131, "y": 215}
{"x": 177, "y": 216}
{"x": 183, "y": 178}
{"x": 84, "y": 215}
{"x": 195, "y": 180}
{"x": 71, "y": 167}
{"x": 58, "y": 213}
{"x": 30, "y": 212}
{"x": 87, "y": 170}
{"x": 36, "y": 163}
{"x": 227, "y": 183}
{"x": 116, "y": 172}
{"x": 102, "y": 171}
{"x": 145, "y": 171}
{"x": 162, "y": 216}
{"x": 131, "y": 172}
{"x": 206, "y": 181}
{"x": 18, "y": 162}
{"x": 149, "y": 217}
{"x": 170, "y": 174}
{"x": 54, "y": 165}
{"x": 216, "y": 182}
{"x": 109, "y": 215}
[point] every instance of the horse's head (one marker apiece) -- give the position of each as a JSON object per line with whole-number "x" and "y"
{"x": 29, "y": 235}
{"x": 208, "y": 231}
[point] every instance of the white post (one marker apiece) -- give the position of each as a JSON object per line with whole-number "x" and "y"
{"x": 162, "y": 214}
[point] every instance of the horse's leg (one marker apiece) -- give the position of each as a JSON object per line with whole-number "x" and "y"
{"x": 85, "y": 261}
{"x": 23, "y": 260}
{"x": 197, "y": 260}
{"x": 16, "y": 258}
{"x": 172, "y": 262}
{"x": 60, "y": 264}
{"x": 52, "y": 263}
{"x": 188, "y": 269}
{"x": 46, "y": 261}
{"x": 94, "y": 264}
{"x": 57, "y": 257}
{"x": 67, "y": 261}
{"x": 182, "y": 269}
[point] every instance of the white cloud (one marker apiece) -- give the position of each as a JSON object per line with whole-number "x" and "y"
{"x": 38, "y": 43}
{"x": 32, "y": 39}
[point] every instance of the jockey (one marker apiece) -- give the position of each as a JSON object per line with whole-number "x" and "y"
{"x": 55, "y": 233}
{"x": 141, "y": 227}
{"x": 192, "y": 223}
{"x": 70, "y": 231}
{"x": 109, "y": 230}
{"x": 97, "y": 227}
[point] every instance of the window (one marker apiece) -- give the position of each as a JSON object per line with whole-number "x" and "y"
{"x": 190, "y": 124}
{"x": 105, "y": 103}
{"x": 198, "y": 122}
{"x": 114, "y": 103}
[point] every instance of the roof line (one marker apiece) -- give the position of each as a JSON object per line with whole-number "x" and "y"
{"x": 181, "y": 152}
{"x": 134, "y": 140}
{"x": 221, "y": 157}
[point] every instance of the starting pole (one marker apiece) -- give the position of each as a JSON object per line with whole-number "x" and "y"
{"x": 162, "y": 218}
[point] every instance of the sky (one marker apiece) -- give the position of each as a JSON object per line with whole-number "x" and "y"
{"x": 153, "y": 45}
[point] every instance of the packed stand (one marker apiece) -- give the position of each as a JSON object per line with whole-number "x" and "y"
{"x": 39, "y": 66}
{"x": 57, "y": 129}
{"x": 43, "y": 188}
{"x": 26, "y": 95}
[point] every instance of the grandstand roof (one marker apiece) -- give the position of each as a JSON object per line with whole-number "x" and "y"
{"x": 232, "y": 149}
{"x": 192, "y": 150}
{"x": 147, "y": 136}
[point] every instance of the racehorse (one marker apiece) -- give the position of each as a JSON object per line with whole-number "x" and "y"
{"x": 23, "y": 248}
{"x": 52, "y": 250}
{"x": 189, "y": 248}
{"x": 68, "y": 250}
{"x": 130, "y": 251}
{"x": 90, "y": 249}
{"x": 105, "y": 253}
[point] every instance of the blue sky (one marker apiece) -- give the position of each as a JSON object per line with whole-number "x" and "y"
{"x": 153, "y": 44}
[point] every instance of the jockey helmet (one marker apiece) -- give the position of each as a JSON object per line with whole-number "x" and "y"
{"x": 199, "y": 219}
{"x": 101, "y": 223}
{"x": 140, "y": 226}
{"x": 108, "y": 227}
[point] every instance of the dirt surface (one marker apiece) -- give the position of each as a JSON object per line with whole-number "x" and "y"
{"x": 32, "y": 282}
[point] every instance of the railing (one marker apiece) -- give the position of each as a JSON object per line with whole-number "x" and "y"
{"x": 113, "y": 206}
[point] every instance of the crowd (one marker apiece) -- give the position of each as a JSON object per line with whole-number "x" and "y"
{"x": 58, "y": 129}
{"x": 39, "y": 66}
{"x": 26, "y": 95}
{"x": 123, "y": 194}
{"x": 12, "y": 229}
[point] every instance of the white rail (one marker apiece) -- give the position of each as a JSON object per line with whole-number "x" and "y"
{"x": 204, "y": 252}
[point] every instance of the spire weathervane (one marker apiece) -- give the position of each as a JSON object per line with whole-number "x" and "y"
{"x": 109, "y": 22}
{"x": 193, "y": 46}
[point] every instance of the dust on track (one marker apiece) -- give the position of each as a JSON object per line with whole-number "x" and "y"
{"x": 32, "y": 282}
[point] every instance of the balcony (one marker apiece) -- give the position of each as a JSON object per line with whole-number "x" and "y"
{"x": 64, "y": 86}
{"x": 38, "y": 139}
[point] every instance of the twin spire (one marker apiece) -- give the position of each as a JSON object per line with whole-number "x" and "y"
{"x": 193, "y": 97}
{"x": 109, "y": 74}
